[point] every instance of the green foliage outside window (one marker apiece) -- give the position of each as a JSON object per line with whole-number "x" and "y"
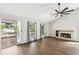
{"x": 8, "y": 26}
{"x": 2, "y": 26}
{"x": 32, "y": 28}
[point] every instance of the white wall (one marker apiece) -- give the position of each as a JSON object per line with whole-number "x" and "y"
{"x": 38, "y": 30}
{"x": 47, "y": 30}
{"x": 68, "y": 22}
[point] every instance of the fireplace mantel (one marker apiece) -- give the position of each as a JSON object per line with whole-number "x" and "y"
{"x": 65, "y": 30}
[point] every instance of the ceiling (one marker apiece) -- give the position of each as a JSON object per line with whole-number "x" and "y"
{"x": 34, "y": 11}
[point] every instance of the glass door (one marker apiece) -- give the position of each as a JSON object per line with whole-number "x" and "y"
{"x": 32, "y": 31}
{"x": 41, "y": 31}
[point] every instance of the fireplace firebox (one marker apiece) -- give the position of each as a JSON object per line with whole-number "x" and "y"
{"x": 65, "y": 35}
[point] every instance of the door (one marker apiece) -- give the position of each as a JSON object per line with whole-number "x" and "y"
{"x": 41, "y": 31}
{"x": 32, "y": 35}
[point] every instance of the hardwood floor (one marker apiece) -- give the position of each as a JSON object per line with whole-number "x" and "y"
{"x": 8, "y": 42}
{"x": 46, "y": 46}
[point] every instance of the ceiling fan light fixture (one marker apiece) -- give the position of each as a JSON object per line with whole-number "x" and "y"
{"x": 58, "y": 3}
{"x": 65, "y": 11}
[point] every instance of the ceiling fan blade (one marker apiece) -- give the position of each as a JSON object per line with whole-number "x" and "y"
{"x": 57, "y": 11}
{"x": 70, "y": 10}
{"x": 64, "y": 9}
{"x": 66, "y": 13}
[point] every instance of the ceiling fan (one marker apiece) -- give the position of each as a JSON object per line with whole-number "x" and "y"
{"x": 65, "y": 11}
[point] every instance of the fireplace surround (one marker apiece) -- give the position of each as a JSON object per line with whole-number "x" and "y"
{"x": 64, "y": 34}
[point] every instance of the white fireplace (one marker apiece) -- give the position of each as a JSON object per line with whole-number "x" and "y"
{"x": 64, "y": 34}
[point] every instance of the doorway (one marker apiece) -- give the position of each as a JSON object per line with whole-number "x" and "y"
{"x": 8, "y": 33}
{"x": 42, "y": 30}
{"x": 32, "y": 32}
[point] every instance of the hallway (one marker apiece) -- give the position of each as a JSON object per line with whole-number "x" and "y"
{"x": 46, "y": 46}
